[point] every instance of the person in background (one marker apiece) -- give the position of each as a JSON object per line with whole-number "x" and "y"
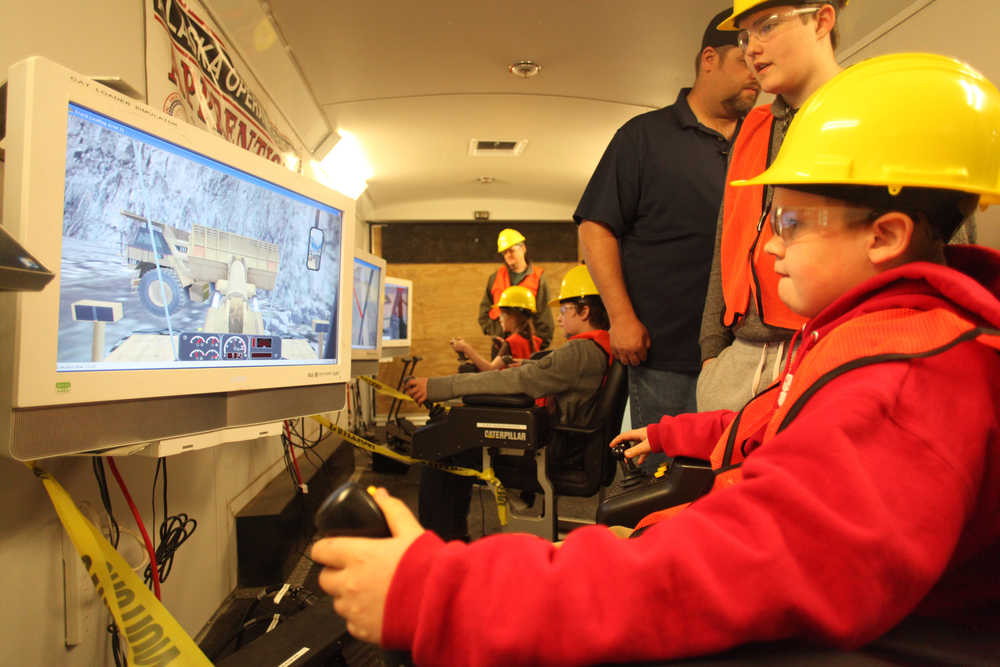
{"x": 516, "y": 270}
{"x": 647, "y": 225}
{"x": 569, "y": 379}
{"x": 863, "y": 488}
{"x": 517, "y": 306}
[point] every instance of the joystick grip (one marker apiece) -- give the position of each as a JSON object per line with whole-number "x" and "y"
{"x": 350, "y": 511}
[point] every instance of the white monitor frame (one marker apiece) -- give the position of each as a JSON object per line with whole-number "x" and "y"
{"x": 34, "y": 395}
{"x": 400, "y": 346}
{"x": 363, "y": 353}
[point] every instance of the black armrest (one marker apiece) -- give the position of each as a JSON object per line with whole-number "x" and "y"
{"x": 499, "y": 400}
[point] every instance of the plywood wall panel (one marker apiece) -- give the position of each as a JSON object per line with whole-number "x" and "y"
{"x": 446, "y": 304}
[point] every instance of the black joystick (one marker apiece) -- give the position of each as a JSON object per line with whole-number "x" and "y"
{"x": 350, "y": 511}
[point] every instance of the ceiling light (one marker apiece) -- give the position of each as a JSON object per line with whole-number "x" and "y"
{"x": 486, "y": 180}
{"x": 524, "y": 68}
{"x": 345, "y": 167}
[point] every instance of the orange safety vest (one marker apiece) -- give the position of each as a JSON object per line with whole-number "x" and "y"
{"x": 502, "y": 282}
{"x": 888, "y": 335}
{"x": 748, "y": 271}
{"x": 519, "y": 346}
{"x": 599, "y": 336}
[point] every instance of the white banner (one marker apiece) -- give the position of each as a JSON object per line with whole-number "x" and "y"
{"x": 193, "y": 74}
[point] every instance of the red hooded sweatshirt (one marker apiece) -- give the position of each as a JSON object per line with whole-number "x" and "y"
{"x": 879, "y": 499}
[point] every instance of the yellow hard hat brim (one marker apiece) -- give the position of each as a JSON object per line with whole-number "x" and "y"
{"x": 925, "y": 100}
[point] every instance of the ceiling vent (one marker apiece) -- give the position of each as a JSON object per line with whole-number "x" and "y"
{"x": 497, "y": 148}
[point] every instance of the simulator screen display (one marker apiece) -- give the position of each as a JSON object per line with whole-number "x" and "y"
{"x": 172, "y": 259}
{"x": 394, "y": 313}
{"x": 364, "y": 319}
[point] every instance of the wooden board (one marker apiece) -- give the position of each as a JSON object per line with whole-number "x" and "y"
{"x": 446, "y": 304}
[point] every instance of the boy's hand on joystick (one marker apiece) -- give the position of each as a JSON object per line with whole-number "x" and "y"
{"x": 636, "y": 445}
{"x": 416, "y": 388}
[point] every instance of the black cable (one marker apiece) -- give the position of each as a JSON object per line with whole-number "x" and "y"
{"x": 173, "y": 532}
{"x": 160, "y": 462}
{"x": 304, "y": 597}
{"x": 102, "y": 487}
{"x": 117, "y": 651}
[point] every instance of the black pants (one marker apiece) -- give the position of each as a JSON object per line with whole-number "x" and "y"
{"x": 444, "y": 499}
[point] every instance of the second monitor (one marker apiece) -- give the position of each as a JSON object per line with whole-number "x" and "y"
{"x": 397, "y": 320}
{"x": 367, "y": 294}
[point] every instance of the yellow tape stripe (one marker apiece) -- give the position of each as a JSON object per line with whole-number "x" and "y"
{"x": 488, "y": 476}
{"x": 151, "y": 634}
{"x": 383, "y": 388}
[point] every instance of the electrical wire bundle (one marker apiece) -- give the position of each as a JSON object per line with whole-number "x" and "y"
{"x": 293, "y": 438}
{"x": 272, "y": 606}
{"x": 173, "y": 532}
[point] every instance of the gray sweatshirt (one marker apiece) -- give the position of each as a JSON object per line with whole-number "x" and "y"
{"x": 571, "y": 375}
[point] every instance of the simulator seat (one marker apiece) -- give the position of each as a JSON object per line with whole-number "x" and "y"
{"x": 528, "y": 452}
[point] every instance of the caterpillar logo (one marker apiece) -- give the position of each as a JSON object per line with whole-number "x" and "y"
{"x": 494, "y": 434}
{"x": 514, "y": 432}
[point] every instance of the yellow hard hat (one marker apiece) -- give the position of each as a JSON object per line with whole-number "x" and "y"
{"x": 517, "y": 297}
{"x": 507, "y": 238}
{"x": 901, "y": 120}
{"x": 575, "y": 284}
{"x": 741, "y": 7}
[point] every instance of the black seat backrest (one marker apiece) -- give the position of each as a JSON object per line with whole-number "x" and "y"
{"x": 579, "y": 459}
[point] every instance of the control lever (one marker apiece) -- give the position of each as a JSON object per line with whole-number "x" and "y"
{"x": 350, "y": 511}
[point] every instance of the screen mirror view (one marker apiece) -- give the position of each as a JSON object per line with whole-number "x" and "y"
{"x": 364, "y": 318}
{"x": 171, "y": 259}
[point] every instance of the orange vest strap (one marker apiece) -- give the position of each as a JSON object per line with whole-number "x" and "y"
{"x": 888, "y": 335}
{"x": 599, "y": 336}
{"x": 748, "y": 271}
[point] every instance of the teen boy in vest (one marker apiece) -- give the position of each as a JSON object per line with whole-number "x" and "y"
{"x": 516, "y": 270}
{"x": 745, "y": 328}
{"x": 569, "y": 377}
{"x": 863, "y": 488}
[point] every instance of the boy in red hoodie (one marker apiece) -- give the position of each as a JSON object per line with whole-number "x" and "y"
{"x": 863, "y": 487}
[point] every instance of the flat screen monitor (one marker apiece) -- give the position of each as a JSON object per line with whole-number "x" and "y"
{"x": 189, "y": 275}
{"x": 366, "y": 325}
{"x": 397, "y": 312}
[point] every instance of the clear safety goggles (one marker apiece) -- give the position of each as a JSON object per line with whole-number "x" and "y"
{"x": 766, "y": 28}
{"x": 791, "y": 222}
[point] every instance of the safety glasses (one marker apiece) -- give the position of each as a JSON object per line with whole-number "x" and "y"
{"x": 766, "y": 28}
{"x": 791, "y": 222}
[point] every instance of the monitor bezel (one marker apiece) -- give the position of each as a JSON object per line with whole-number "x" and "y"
{"x": 363, "y": 353}
{"x": 39, "y": 94}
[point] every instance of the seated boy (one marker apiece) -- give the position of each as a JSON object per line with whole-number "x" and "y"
{"x": 568, "y": 378}
{"x": 863, "y": 487}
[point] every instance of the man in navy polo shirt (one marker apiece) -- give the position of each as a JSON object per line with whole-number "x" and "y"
{"x": 647, "y": 225}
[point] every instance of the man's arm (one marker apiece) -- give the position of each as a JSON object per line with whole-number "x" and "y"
{"x": 574, "y": 365}
{"x": 629, "y": 336}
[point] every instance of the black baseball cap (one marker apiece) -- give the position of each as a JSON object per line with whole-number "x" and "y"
{"x": 714, "y": 37}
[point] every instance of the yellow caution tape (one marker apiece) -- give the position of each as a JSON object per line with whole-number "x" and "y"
{"x": 487, "y": 475}
{"x": 151, "y": 634}
{"x": 383, "y": 388}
